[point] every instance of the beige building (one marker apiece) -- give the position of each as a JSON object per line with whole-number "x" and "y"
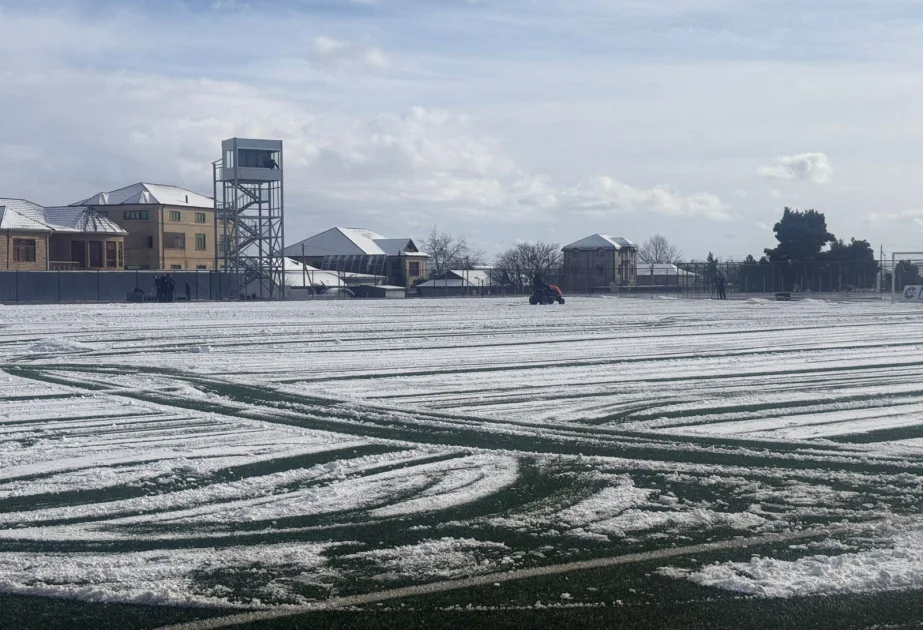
{"x": 599, "y": 263}
{"x": 168, "y": 227}
{"x": 36, "y": 238}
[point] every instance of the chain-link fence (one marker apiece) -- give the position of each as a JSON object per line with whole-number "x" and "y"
{"x": 903, "y": 277}
{"x": 699, "y": 279}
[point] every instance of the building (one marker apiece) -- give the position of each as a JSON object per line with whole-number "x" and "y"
{"x": 354, "y": 250}
{"x": 664, "y": 275}
{"x": 168, "y": 227}
{"x": 36, "y": 238}
{"x": 599, "y": 263}
{"x": 457, "y": 282}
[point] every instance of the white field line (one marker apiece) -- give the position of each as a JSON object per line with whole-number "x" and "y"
{"x": 521, "y": 574}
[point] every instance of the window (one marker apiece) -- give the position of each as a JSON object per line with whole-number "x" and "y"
{"x": 121, "y": 254}
{"x": 600, "y": 252}
{"x": 200, "y": 242}
{"x": 175, "y": 215}
{"x": 112, "y": 257}
{"x": 174, "y": 240}
{"x": 96, "y": 254}
{"x": 414, "y": 268}
{"x": 150, "y": 241}
{"x": 201, "y": 266}
{"x": 79, "y": 253}
{"x": 200, "y": 217}
{"x": 135, "y": 215}
{"x": 176, "y": 266}
{"x": 24, "y": 249}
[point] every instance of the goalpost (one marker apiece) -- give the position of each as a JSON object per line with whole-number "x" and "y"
{"x": 911, "y": 291}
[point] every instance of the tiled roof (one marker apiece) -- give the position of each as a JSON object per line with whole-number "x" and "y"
{"x": 22, "y": 215}
{"x": 144, "y": 194}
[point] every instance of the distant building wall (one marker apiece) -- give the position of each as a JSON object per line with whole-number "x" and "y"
{"x": 36, "y": 258}
{"x": 166, "y": 237}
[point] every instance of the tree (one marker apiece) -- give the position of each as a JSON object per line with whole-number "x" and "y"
{"x": 752, "y": 275}
{"x": 657, "y": 249}
{"x": 516, "y": 266}
{"x": 449, "y": 252}
{"x": 851, "y": 266}
{"x": 801, "y": 235}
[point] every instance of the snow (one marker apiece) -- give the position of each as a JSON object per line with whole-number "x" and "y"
{"x": 895, "y": 568}
{"x": 162, "y": 453}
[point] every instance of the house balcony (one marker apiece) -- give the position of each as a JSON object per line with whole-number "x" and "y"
{"x": 63, "y": 265}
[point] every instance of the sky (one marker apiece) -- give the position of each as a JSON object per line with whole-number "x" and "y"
{"x": 500, "y": 120}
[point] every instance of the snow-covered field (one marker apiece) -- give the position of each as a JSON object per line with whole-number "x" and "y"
{"x": 261, "y": 454}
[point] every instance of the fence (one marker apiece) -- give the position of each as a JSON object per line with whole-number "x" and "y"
{"x": 702, "y": 279}
{"x": 904, "y": 271}
{"x": 694, "y": 279}
{"x": 103, "y": 286}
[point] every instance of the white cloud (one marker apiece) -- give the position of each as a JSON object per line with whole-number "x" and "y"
{"x": 912, "y": 215}
{"x": 605, "y": 195}
{"x": 814, "y": 167}
{"x": 329, "y": 51}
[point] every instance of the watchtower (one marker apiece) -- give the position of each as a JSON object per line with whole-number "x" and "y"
{"x": 249, "y": 213}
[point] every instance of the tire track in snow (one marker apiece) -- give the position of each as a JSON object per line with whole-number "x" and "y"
{"x": 521, "y": 574}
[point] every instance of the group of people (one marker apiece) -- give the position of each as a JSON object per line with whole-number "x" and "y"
{"x": 166, "y": 287}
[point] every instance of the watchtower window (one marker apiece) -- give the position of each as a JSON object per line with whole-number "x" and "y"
{"x": 256, "y": 158}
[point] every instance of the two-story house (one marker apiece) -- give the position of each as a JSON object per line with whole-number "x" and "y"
{"x": 167, "y": 227}
{"x": 599, "y": 263}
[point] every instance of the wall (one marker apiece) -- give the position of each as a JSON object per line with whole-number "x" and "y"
{"x": 190, "y": 257}
{"x": 138, "y": 254}
{"x": 6, "y": 251}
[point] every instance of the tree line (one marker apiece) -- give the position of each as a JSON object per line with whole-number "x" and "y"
{"x": 807, "y": 255}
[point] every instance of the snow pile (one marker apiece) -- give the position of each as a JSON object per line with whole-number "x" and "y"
{"x": 57, "y": 346}
{"x": 444, "y": 559}
{"x": 900, "y": 567}
{"x": 147, "y": 577}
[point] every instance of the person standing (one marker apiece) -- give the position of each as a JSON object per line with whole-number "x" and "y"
{"x": 188, "y": 292}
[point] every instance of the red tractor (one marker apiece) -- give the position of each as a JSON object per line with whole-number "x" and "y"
{"x": 549, "y": 294}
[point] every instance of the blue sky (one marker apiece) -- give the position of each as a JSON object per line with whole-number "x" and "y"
{"x": 500, "y": 120}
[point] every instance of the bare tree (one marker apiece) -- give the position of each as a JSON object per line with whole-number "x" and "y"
{"x": 657, "y": 249}
{"x": 450, "y": 252}
{"x": 516, "y": 266}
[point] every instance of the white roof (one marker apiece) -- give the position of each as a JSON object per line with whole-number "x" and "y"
{"x": 22, "y": 215}
{"x": 601, "y": 241}
{"x": 461, "y": 278}
{"x": 661, "y": 269}
{"x": 352, "y": 242}
{"x": 144, "y": 194}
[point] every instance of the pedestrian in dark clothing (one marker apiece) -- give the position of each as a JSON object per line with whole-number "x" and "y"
{"x": 188, "y": 292}
{"x": 722, "y": 295}
{"x": 158, "y": 286}
{"x": 171, "y": 287}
